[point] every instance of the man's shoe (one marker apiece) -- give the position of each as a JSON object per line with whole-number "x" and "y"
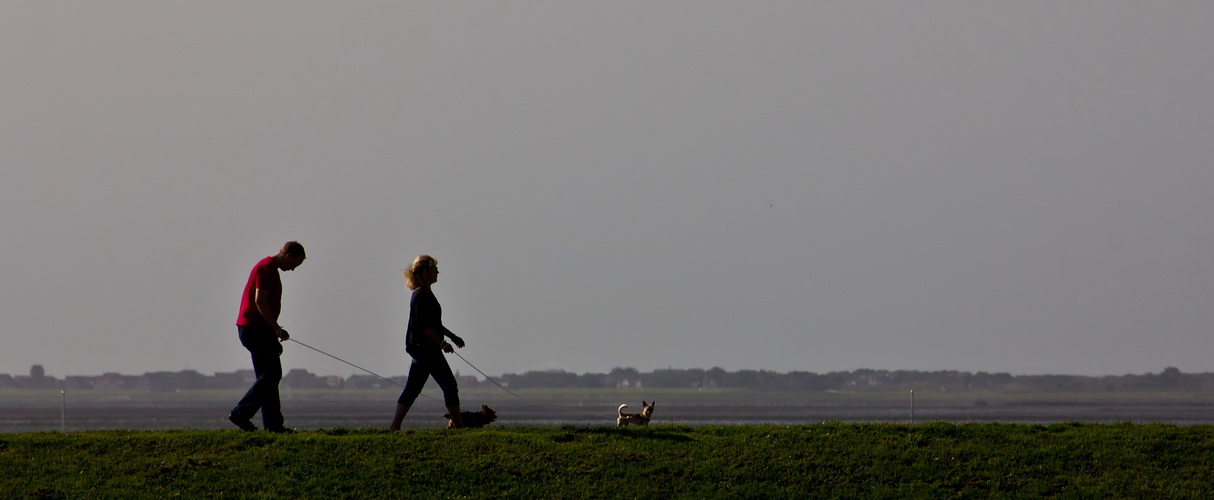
{"x": 243, "y": 423}
{"x": 281, "y": 430}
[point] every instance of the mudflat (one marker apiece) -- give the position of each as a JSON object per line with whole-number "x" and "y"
{"x": 100, "y": 411}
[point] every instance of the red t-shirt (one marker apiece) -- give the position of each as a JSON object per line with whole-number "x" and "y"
{"x": 264, "y": 276}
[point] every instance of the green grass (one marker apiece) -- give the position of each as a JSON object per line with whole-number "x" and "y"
{"x": 832, "y": 460}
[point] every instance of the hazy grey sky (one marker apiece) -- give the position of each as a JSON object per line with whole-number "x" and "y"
{"x": 1015, "y": 187}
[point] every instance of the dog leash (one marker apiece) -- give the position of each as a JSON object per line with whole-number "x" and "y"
{"x": 465, "y": 360}
{"x": 381, "y": 377}
{"x": 512, "y": 393}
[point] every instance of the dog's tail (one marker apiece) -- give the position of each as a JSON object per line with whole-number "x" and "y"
{"x": 621, "y": 410}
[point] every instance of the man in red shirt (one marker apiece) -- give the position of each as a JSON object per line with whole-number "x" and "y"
{"x": 261, "y": 334}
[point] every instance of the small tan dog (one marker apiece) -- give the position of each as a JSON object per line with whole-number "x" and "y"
{"x": 641, "y": 418}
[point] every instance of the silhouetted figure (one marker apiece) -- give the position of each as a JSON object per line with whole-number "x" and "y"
{"x": 261, "y": 334}
{"x": 425, "y": 344}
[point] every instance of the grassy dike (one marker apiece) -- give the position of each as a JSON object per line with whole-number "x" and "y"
{"x": 830, "y": 460}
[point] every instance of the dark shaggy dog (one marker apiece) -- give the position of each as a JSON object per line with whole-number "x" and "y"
{"x": 474, "y": 419}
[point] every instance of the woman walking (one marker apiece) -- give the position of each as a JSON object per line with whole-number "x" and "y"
{"x": 425, "y": 343}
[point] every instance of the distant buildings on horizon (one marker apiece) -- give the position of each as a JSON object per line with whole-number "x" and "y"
{"x": 191, "y": 379}
{"x": 1170, "y": 379}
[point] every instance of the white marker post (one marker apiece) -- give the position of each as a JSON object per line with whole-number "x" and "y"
{"x": 63, "y": 412}
{"x": 912, "y": 417}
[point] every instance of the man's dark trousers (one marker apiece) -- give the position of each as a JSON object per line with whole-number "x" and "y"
{"x": 267, "y": 366}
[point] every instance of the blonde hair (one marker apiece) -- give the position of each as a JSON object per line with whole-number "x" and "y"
{"x": 420, "y": 263}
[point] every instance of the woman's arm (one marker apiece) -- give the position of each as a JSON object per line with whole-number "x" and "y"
{"x": 459, "y": 342}
{"x": 437, "y": 337}
{"x": 434, "y": 335}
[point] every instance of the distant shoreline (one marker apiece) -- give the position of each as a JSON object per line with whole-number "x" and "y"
{"x": 317, "y": 409}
